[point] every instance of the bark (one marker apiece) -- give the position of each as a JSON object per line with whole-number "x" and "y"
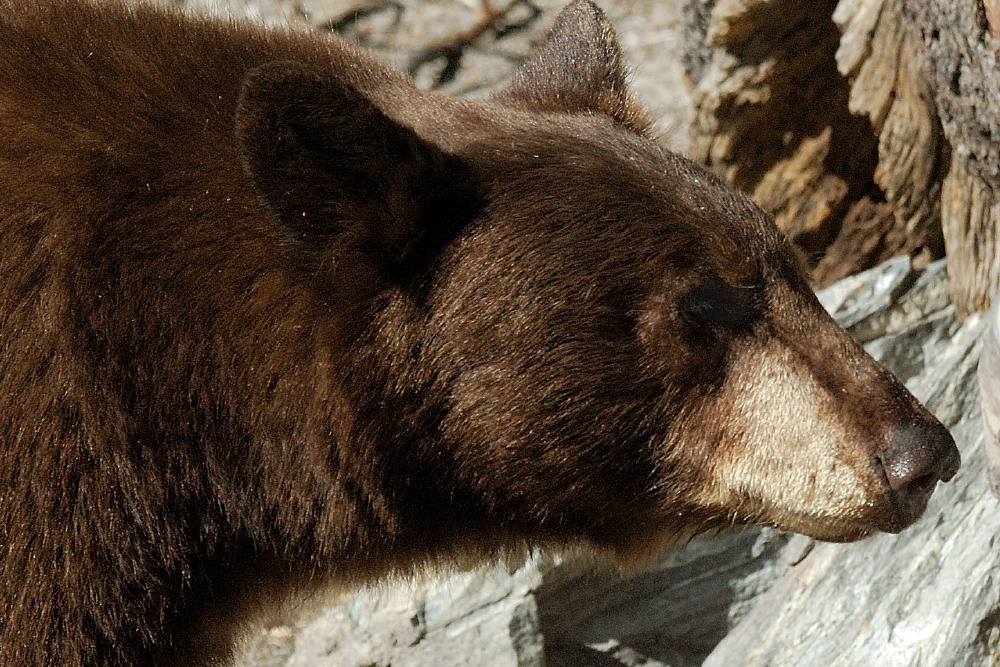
{"x": 959, "y": 58}
{"x": 851, "y": 173}
{"x": 780, "y": 111}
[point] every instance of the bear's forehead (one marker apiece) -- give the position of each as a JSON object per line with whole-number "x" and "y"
{"x": 627, "y": 188}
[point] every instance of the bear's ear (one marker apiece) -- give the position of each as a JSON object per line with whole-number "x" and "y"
{"x": 330, "y": 163}
{"x": 579, "y": 68}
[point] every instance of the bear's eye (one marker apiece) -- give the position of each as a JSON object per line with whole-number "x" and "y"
{"x": 718, "y": 303}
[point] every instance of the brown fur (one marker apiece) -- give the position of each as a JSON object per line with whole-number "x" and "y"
{"x": 271, "y": 317}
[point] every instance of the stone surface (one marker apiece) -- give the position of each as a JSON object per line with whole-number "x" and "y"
{"x": 989, "y": 387}
{"x": 485, "y": 617}
{"x": 671, "y": 614}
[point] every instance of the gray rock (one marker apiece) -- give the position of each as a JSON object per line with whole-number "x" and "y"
{"x": 989, "y": 388}
{"x": 670, "y": 614}
{"x": 471, "y": 619}
{"x": 856, "y": 299}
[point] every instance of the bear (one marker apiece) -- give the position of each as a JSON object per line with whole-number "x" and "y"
{"x": 272, "y": 320}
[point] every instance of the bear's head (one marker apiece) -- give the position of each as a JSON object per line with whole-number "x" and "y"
{"x": 562, "y": 331}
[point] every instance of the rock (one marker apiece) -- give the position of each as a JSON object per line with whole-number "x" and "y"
{"x": 853, "y": 300}
{"x": 673, "y": 613}
{"x": 989, "y": 388}
{"x": 484, "y": 617}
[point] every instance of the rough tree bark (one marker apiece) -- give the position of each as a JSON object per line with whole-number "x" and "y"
{"x": 868, "y": 127}
{"x": 959, "y": 52}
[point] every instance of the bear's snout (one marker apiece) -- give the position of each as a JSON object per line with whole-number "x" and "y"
{"x": 917, "y": 457}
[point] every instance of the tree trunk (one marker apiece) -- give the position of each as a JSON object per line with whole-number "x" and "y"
{"x": 865, "y": 126}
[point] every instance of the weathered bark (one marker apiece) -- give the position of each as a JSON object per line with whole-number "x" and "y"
{"x": 970, "y": 215}
{"x": 774, "y": 118}
{"x": 959, "y": 57}
{"x": 923, "y": 73}
{"x": 888, "y": 88}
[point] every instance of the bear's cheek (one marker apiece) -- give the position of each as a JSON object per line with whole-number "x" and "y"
{"x": 785, "y": 454}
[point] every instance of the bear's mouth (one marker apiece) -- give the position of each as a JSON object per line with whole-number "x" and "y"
{"x": 909, "y": 478}
{"x": 895, "y": 512}
{"x": 890, "y": 513}
{"x": 910, "y": 503}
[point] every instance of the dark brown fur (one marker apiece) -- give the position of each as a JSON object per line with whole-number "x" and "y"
{"x": 270, "y": 317}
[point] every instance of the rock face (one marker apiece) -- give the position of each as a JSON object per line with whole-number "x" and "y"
{"x": 989, "y": 390}
{"x": 487, "y": 617}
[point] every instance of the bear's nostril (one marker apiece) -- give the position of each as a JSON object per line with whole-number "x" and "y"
{"x": 917, "y": 458}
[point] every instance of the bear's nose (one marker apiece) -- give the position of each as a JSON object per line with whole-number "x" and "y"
{"x": 919, "y": 456}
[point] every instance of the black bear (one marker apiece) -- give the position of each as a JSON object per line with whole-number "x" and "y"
{"x": 272, "y": 318}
